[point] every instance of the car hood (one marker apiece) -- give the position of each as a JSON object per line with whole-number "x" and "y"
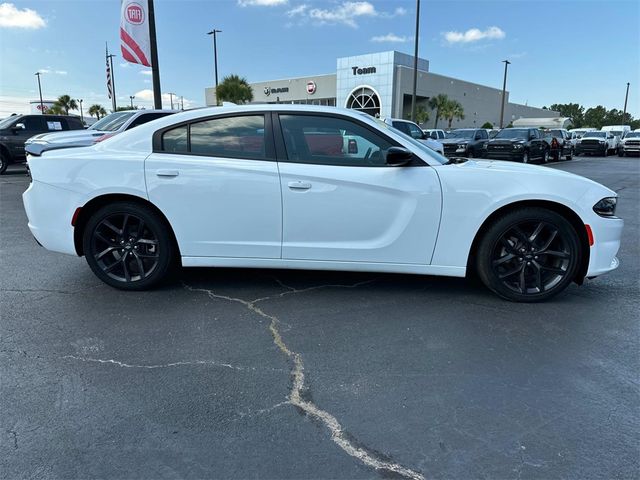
{"x": 506, "y": 141}
{"x": 454, "y": 141}
{"x": 85, "y": 137}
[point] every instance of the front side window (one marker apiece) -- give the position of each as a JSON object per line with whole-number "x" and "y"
{"x": 34, "y": 124}
{"x": 414, "y": 131}
{"x": 328, "y": 140}
{"x": 241, "y": 137}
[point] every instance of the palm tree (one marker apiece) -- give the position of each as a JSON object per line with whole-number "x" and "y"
{"x": 437, "y": 103}
{"x": 453, "y": 109}
{"x": 97, "y": 110}
{"x": 55, "y": 109}
{"x": 234, "y": 89}
{"x": 66, "y": 103}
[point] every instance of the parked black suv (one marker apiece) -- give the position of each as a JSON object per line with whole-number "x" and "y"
{"x": 519, "y": 144}
{"x": 465, "y": 142}
{"x": 15, "y": 130}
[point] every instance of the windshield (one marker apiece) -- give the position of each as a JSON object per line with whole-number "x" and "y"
{"x": 633, "y": 135}
{"x": 618, "y": 133}
{"x": 422, "y": 146}
{"x": 596, "y": 134}
{"x": 513, "y": 133}
{"x": 112, "y": 122}
{"x": 8, "y": 121}
{"x": 461, "y": 134}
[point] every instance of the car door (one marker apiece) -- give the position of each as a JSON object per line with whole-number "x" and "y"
{"x": 352, "y": 208}
{"x": 216, "y": 180}
{"x": 33, "y": 125}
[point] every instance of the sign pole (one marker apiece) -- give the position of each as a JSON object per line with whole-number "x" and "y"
{"x": 40, "y": 90}
{"x": 157, "y": 94}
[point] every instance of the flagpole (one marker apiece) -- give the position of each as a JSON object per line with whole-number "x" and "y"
{"x": 113, "y": 80}
{"x": 157, "y": 94}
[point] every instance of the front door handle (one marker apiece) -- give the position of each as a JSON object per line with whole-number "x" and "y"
{"x": 167, "y": 173}
{"x": 298, "y": 185}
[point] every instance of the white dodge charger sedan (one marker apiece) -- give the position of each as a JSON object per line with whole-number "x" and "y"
{"x": 291, "y": 186}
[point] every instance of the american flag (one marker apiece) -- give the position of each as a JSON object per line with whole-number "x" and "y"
{"x": 109, "y": 87}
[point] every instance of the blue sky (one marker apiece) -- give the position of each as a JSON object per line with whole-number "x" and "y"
{"x": 581, "y": 51}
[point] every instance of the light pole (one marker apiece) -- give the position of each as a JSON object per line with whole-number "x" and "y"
{"x": 40, "y": 90}
{"x": 81, "y": 113}
{"x": 626, "y": 97}
{"x": 215, "y": 58}
{"x": 415, "y": 64}
{"x": 504, "y": 92}
{"x": 131, "y": 97}
{"x": 181, "y": 102}
{"x": 171, "y": 97}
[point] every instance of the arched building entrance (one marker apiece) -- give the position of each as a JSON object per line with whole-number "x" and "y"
{"x": 365, "y": 99}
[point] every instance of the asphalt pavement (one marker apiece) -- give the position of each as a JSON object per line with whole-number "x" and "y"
{"x": 301, "y": 374}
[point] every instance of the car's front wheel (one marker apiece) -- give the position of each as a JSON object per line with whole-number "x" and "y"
{"x": 529, "y": 255}
{"x": 128, "y": 246}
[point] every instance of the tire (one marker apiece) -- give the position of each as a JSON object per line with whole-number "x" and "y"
{"x": 4, "y": 163}
{"x": 545, "y": 156}
{"x": 606, "y": 152}
{"x": 516, "y": 267}
{"x": 470, "y": 153}
{"x": 620, "y": 153}
{"x": 525, "y": 157}
{"x": 122, "y": 255}
{"x": 569, "y": 155}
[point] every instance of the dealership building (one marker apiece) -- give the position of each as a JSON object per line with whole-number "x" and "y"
{"x": 382, "y": 84}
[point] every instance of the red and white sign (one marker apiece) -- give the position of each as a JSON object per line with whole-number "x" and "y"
{"x": 311, "y": 87}
{"x": 134, "y": 32}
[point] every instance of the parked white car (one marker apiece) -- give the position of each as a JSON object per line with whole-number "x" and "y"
{"x": 630, "y": 145}
{"x": 578, "y": 133}
{"x": 415, "y": 132}
{"x": 104, "y": 128}
{"x": 245, "y": 186}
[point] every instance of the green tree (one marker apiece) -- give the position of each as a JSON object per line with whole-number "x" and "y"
{"x": 97, "y": 111}
{"x": 55, "y": 109}
{"x": 436, "y": 103}
{"x": 234, "y": 89}
{"x": 452, "y": 110}
{"x": 487, "y": 125}
{"x": 595, "y": 117}
{"x": 572, "y": 110}
{"x": 422, "y": 116}
{"x": 66, "y": 103}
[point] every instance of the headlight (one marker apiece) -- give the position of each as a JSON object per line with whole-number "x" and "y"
{"x": 606, "y": 207}
{"x": 462, "y": 146}
{"x": 601, "y": 141}
{"x": 485, "y": 146}
{"x": 518, "y": 146}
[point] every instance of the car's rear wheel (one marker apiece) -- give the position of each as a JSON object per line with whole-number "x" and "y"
{"x": 525, "y": 157}
{"x": 4, "y": 163}
{"x": 529, "y": 255}
{"x": 128, "y": 246}
{"x": 545, "y": 156}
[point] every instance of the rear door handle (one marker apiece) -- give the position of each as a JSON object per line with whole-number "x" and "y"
{"x": 167, "y": 173}
{"x": 298, "y": 185}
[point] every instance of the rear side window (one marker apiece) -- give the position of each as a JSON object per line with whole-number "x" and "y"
{"x": 402, "y": 126}
{"x": 175, "y": 140}
{"x": 240, "y": 137}
{"x": 144, "y": 118}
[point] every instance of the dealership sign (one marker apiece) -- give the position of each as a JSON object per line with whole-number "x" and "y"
{"x": 363, "y": 70}
{"x": 135, "y": 43}
{"x": 311, "y": 87}
{"x": 268, "y": 90}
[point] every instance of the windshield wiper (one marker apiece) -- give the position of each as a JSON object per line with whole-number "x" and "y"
{"x": 457, "y": 160}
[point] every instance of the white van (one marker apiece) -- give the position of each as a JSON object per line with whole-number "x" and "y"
{"x": 618, "y": 131}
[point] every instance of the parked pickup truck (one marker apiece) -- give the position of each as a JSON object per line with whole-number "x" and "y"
{"x": 596, "y": 143}
{"x": 630, "y": 145}
{"x": 520, "y": 145}
{"x": 465, "y": 142}
{"x": 561, "y": 144}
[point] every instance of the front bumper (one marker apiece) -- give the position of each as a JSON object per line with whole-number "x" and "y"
{"x": 50, "y": 210}
{"x": 593, "y": 149}
{"x": 513, "y": 155}
{"x": 607, "y": 233}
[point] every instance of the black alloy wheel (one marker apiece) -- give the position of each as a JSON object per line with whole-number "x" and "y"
{"x": 529, "y": 255}
{"x": 128, "y": 246}
{"x": 545, "y": 156}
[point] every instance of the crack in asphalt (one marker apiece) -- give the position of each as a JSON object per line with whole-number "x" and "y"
{"x": 164, "y": 365}
{"x": 296, "y": 395}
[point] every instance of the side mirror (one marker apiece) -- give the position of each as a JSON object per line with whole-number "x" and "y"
{"x": 398, "y": 156}
{"x": 18, "y": 126}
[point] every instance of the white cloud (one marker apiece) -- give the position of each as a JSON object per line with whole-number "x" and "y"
{"x": 146, "y": 72}
{"x": 49, "y": 70}
{"x": 299, "y": 10}
{"x": 11, "y": 17}
{"x": 389, "y": 38}
{"x": 474, "y": 35}
{"x": 517, "y": 55}
{"x": 345, "y": 13}
{"x": 261, "y": 3}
